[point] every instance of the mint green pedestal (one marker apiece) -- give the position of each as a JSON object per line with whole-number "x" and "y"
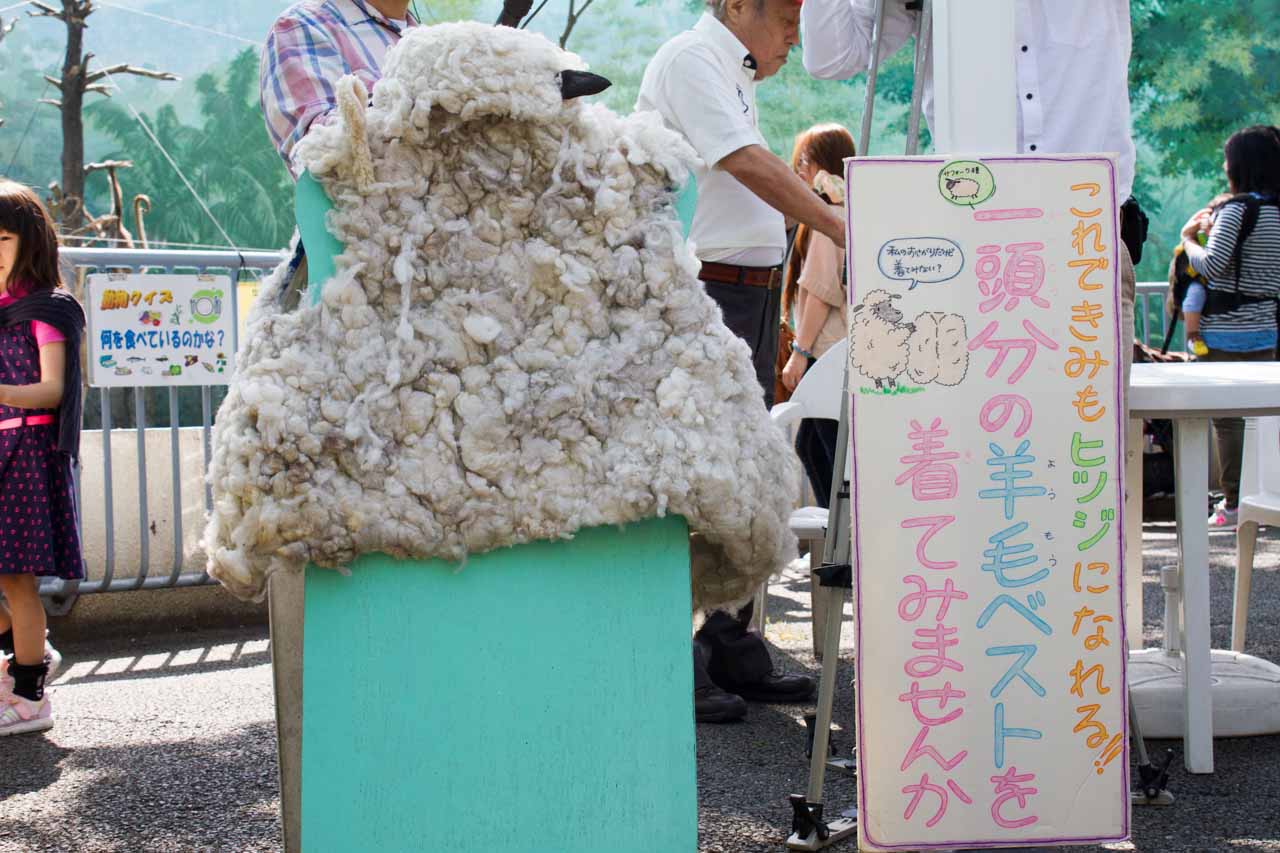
{"x": 537, "y": 701}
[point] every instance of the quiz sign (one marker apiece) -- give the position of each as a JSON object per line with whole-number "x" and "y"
{"x": 159, "y": 330}
{"x": 985, "y": 380}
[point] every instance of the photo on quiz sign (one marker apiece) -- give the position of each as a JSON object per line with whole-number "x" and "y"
{"x": 985, "y": 389}
{"x": 159, "y": 330}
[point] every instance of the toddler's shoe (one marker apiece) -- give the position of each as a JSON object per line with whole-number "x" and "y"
{"x": 20, "y": 716}
{"x": 6, "y": 680}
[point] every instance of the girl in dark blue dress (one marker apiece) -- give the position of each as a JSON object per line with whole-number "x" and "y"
{"x": 40, "y": 330}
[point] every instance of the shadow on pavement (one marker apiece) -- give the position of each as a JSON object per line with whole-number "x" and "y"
{"x": 30, "y": 763}
{"x": 134, "y": 664}
{"x": 165, "y": 795}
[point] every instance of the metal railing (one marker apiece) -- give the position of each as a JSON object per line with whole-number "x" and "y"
{"x": 1150, "y": 318}
{"x": 60, "y": 594}
{"x": 240, "y": 266}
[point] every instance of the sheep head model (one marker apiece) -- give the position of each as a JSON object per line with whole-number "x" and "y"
{"x": 514, "y": 347}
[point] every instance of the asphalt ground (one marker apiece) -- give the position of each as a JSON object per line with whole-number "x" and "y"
{"x": 167, "y": 742}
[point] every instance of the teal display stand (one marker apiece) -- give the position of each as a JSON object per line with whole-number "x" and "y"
{"x": 537, "y": 700}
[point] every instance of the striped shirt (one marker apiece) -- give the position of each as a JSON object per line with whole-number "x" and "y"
{"x": 1250, "y": 327}
{"x": 311, "y": 45}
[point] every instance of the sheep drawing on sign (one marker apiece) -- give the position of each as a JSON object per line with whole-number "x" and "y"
{"x": 932, "y": 349}
{"x": 962, "y": 188}
{"x": 878, "y": 339}
{"x": 514, "y": 347}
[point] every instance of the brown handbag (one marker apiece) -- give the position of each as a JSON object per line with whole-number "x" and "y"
{"x": 781, "y": 393}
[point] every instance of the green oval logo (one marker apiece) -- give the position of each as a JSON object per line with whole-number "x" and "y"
{"x": 966, "y": 183}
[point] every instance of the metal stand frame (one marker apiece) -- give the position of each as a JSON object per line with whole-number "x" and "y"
{"x": 810, "y": 830}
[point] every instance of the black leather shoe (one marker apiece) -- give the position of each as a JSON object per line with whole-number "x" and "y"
{"x": 713, "y": 705}
{"x": 776, "y": 687}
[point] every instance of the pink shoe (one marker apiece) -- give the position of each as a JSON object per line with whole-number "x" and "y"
{"x": 1223, "y": 518}
{"x": 19, "y": 716}
{"x": 6, "y": 680}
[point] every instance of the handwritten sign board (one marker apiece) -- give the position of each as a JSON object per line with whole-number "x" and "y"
{"x": 159, "y": 330}
{"x": 985, "y": 379}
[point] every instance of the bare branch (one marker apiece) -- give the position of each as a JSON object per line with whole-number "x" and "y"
{"x": 99, "y": 88}
{"x": 90, "y": 168}
{"x": 45, "y": 11}
{"x": 54, "y": 81}
{"x": 5, "y": 29}
{"x": 51, "y": 102}
{"x": 571, "y": 20}
{"x": 124, "y": 68}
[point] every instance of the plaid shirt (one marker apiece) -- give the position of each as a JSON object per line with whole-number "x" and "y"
{"x": 310, "y": 46}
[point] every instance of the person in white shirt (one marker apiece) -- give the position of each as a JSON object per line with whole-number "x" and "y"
{"x": 703, "y": 84}
{"x": 1072, "y": 69}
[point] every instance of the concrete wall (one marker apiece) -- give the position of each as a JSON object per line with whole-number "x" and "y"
{"x": 197, "y": 607}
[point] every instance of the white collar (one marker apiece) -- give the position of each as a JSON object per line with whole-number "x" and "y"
{"x": 726, "y": 43}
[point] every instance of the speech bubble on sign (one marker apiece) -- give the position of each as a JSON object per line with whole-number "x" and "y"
{"x": 920, "y": 260}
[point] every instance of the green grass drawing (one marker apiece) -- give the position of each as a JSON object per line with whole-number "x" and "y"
{"x": 891, "y": 392}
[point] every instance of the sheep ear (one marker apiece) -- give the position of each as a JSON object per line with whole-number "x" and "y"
{"x": 857, "y": 308}
{"x": 575, "y": 84}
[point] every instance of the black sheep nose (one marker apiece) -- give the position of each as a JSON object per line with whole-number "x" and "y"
{"x": 575, "y": 84}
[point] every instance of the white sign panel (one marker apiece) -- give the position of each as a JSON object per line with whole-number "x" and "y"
{"x": 987, "y": 440}
{"x": 159, "y": 330}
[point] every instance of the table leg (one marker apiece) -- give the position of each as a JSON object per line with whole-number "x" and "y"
{"x": 1191, "y": 466}
{"x": 1133, "y": 533}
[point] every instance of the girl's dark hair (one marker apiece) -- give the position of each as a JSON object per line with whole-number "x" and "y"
{"x": 22, "y": 213}
{"x": 1253, "y": 171}
{"x": 826, "y": 146}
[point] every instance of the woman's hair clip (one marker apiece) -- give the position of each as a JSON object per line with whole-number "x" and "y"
{"x": 830, "y": 186}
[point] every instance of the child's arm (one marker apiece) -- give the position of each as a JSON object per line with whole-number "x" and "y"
{"x": 47, "y": 393}
{"x": 1214, "y": 259}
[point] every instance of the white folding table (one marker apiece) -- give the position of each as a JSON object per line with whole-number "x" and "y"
{"x": 1189, "y": 395}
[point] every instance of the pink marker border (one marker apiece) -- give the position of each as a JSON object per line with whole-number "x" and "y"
{"x": 863, "y": 745}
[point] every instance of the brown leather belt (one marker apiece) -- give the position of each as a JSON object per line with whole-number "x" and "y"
{"x": 769, "y": 277}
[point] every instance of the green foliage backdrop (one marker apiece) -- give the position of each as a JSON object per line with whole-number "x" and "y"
{"x": 1200, "y": 70}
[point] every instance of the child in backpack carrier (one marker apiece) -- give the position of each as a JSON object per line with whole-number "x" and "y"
{"x": 1189, "y": 291}
{"x": 40, "y": 331}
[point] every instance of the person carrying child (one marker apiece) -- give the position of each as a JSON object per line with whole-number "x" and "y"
{"x": 41, "y": 326}
{"x": 1240, "y": 261}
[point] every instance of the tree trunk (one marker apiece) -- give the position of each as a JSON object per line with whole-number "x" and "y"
{"x": 73, "y": 73}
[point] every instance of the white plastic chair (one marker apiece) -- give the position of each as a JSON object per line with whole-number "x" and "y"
{"x": 819, "y": 395}
{"x": 1262, "y": 461}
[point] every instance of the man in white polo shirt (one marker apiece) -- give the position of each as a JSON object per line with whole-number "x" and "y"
{"x": 703, "y": 83}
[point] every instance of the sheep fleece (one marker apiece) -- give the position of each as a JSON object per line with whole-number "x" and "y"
{"x": 515, "y": 345}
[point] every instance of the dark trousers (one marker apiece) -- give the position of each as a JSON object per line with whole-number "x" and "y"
{"x": 724, "y": 651}
{"x": 753, "y": 313}
{"x": 1229, "y": 432}
{"x": 816, "y": 447}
